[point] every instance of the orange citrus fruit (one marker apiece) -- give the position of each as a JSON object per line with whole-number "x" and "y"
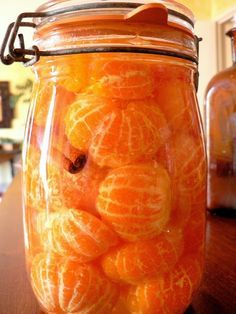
{"x": 48, "y": 179}
{"x": 121, "y": 306}
{"x": 83, "y": 117}
{"x": 49, "y": 97}
{"x": 68, "y": 287}
{"x": 34, "y": 221}
{"x": 44, "y": 278}
{"x": 43, "y": 96}
{"x": 190, "y": 175}
{"x": 189, "y": 161}
{"x": 175, "y": 97}
{"x": 75, "y": 189}
{"x": 77, "y": 234}
{"x": 184, "y": 158}
{"x": 135, "y": 200}
{"x": 171, "y": 293}
{"x": 145, "y": 259}
{"x": 121, "y": 78}
{"x": 80, "y": 190}
{"x": 34, "y": 194}
{"x": 129, "y": 134}
{"x": 73, "y": 71}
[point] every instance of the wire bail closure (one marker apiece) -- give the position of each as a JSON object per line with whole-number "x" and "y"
{"x": 147, "y": 13}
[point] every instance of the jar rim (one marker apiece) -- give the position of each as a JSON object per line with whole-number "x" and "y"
{"x": 177, "y": 13}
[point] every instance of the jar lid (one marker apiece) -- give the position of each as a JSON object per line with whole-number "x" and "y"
{"x": 156, "y": 13}
{"x": 178, "y": 14}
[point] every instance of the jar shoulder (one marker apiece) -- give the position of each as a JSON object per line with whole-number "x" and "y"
{"x": 225, "y": 79}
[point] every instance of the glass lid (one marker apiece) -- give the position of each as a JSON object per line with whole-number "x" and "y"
{"x": 177, "y": 13}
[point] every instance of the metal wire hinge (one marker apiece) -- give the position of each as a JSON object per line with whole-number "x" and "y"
{"x": 17, "y": 54}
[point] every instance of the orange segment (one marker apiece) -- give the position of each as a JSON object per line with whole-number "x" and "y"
{"x": 135, "y": 262}
{"x": 135, "y": 200}
{"x": 82, "y": 118}
{"x": 171, "y": 293}
{"x": 67, "y": 287}
{"x": 114, "y": 77}
{"x": 127, "y": 135}
{"x": 78, "y": 235}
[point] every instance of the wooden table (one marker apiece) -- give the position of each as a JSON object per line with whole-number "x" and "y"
{"x": 217, "y": 294}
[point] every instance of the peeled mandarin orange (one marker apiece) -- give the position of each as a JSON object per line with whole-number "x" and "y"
{"x": 44, "y": 279}
{"x": 49, "y": 180}
{"x": 120, "y": 306}
{"x": 73, "y": 71}
{"x": 174, "y": 97}
{"x": 84, "y": 289}
{"x": 135, "y": 200}
{"x": 83, "y": 117}
{"x": 44, "y": 95}
{"x": 169, "y": 294}
{"x": 127, "y": 135}
{"x": 53, "y": 110}
{"x": 120, "y": 309}
{"x": 34, "y": 195}
{"x": 121, "y": 78}
{"x": 51, "y": 103}
{"x": 78, "y": 235}
{"x": 33, "y": 221}
{"x": 75, "y": 190}
{"x": 184, "y": 158}
{"x": 189, "y": 160}
{"x": 44, "y": 183}
{"x": 81, "y": 190}
{"x": 141, "y": 260}
{"x": 63, "y": 287}
{"x": 64, "y": 149}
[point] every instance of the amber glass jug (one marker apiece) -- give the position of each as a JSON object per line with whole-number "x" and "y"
{"x": 114, "y": 166}
{"x": 220, "y": 118}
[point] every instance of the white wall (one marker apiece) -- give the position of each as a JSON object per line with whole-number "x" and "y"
{"x": 10, "y": 9}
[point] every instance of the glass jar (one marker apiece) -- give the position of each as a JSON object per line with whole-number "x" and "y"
{"x": 114, "y": 162}
{"x": 220, "y": 117}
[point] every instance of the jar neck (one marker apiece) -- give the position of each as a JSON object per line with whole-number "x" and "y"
{"x": 233, "y": 43}
{"x": 232, "y": 35}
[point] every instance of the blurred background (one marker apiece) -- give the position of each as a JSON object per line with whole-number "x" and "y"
{"x": 213, "y": 19}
